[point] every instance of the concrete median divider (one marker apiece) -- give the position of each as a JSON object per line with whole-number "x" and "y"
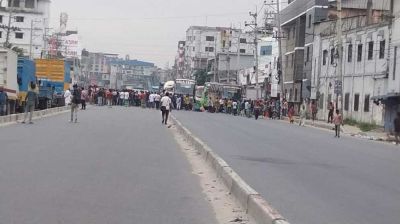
{"x": 256, "y": 206}
{"x": 14, "y": 118}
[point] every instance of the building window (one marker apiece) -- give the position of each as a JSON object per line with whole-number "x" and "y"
{"x": 395, "y": 63}
{"x": 288, "y": 34}
{"x": 243, "y": 40}
{"x": 291, "y": 93}
{"x": 19, "y": 19}
{"x": 1, "y": 19}
{"x": 295, "y": 94}
{"x": 209, "y": 49}
{"x": 359, "y": 52}
{"x": 332, "y": 56}
{"x": 230, "y": 43}
{"x": 292, "y": 62}
{"x": 243, "y": 51}
{"x": 366, "y": 103}
{"x": 346, "y": 101}
{"x": 194, "y": 48}
{"x": 382, "y": 46}
{"x": 30, "y": 4}
{"x": 350, "y": 53}
{"x": 370, "y": 50}
{"x": 19, "y": 35}
{"x": 356, "y": 101}
{"x": 16, "y": 3}
{"x": 309, "y": 21}
{"x": 286, "y": 61}
{"x": 223, "y": 43}
{"x": 324, "y": 57}
{"x": 308, "y": 54}
{"x": 294, "y": 32}
{"x": 209, "y": 38}
{"x": 266, "y": 50}
{"x": 321, "y": 101}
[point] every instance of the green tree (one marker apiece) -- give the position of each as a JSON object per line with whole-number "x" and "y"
{"x": 201, "y": 77}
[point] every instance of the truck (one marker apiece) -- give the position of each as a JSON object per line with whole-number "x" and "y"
{"x": 26, "y": 74}
{"x": 54, "y": 77}
{"x": 8, "y": 78}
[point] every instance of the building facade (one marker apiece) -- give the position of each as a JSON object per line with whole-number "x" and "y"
{"x": 364, "y": 69}
{"x": 31, "y": 20}
{"x": 298, "y": 19}
{"x": 205, "y": 43}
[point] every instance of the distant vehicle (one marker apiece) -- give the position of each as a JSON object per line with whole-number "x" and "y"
{"x": 185, "y": 87}
{"x": 8, "y": 78}
{"x": 26, "y": 76}
{"x": 54, "y": 77}
{"x": 169, "y": 87}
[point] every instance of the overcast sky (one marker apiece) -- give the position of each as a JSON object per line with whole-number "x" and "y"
{"x": 147, "y": 29}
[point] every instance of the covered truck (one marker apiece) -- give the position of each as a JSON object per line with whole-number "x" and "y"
{"x": 26, "y": 75}
{"x": 8, "y": 78}
{"x": 54, "y": 77}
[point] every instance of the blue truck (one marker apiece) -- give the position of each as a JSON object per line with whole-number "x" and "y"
{"x": 26, "y": 74}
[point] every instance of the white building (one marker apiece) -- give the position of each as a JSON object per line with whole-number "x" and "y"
{"x": 32, "y": 19}
{"x": 205, "y": 43}
{"x": 364, "y": 66}
{"x": 392, "y": 99}
{"x": 268, "y": 77}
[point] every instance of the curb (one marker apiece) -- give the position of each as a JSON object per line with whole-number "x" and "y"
{"x": 256, "y": 206}
{"x": 15, "y": 118}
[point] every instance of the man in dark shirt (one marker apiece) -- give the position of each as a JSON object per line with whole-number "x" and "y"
{"x": 3, "y": 101}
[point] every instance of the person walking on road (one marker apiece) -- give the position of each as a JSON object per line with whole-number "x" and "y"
{"x": 157, "y": 99}
{"x": 84, "y": 97}
{"x": 314, "y": 110}
{"x": 397, "y": 128}
{"x": 165, "y": 108}
{"x": 337, "y": 120}
{"x": 76, "y": 97}
{"x": 303, "y": 115}
{"x": 291, "y": 114}
{"x": 67, "y": 97}
{"x": 178, "y": 103}
{"x": 31, "y": 100}
{"x": 331, "y": 108}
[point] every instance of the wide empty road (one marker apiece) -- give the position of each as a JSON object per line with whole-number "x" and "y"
{"x": 117, "y": 166}
{"x": 307, "y": 174}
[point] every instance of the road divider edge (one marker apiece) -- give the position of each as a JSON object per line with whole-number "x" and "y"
{"x": 256, "y": 206}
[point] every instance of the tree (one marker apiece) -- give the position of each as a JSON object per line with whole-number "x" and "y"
{"x": 201, "y": 77}
{"x": 19, "y": 51}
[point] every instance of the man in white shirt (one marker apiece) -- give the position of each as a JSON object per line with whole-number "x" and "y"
{"x": 157, "y": 99}
{"x": 151, "y": 100}
{"x": 121, "y": 98}
{"x": 165, "y": 108}
{"x": 234, "y": 107}
{"x": 247, "y": 108}
{"x": 126, "y": 98}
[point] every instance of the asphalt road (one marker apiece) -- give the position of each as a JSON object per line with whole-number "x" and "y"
{"x": 309, "y": 176}
{"x": 117, "y": 166}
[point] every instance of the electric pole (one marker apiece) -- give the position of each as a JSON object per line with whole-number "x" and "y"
{"x": 339, "y": 55}
{"x": 280, "y": 58}
{"x": 10, "y": 12}
{"x": 254, "y": 25}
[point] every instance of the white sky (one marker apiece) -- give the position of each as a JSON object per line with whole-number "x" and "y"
{"x": 147, "y": 30}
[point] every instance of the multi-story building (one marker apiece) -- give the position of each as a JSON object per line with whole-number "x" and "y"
{"x": 134, "y": 74}
{"x": 268, "y": 77}
{"x": 364, "y": 68}
{"x": 98, "y": 68}
{"x": 30, "y": 18}
{"x": 298, "y": 20}
{"x": 205, "y": 43}
{"x": 391, "y": 100}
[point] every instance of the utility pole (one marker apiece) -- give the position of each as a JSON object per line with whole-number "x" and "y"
{"x": 279, "y": 37}
{"x": 339, "y": 55}
{"x": 10, "y": 12}
{"x": 254, "y": 25}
